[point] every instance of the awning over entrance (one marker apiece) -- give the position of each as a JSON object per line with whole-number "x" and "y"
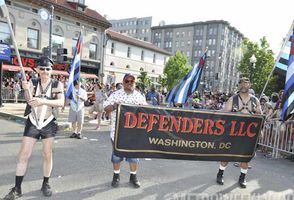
{"x": 14, "y": 68}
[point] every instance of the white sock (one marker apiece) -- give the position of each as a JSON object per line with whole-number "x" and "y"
{"x": 116, "y": 171}
{"x": 222, "y": 167}
{"x": 244, "y": 171}
{"x": 133, "y": 172}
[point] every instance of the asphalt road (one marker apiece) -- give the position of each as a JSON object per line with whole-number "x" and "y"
{"x": 82, "y": 170}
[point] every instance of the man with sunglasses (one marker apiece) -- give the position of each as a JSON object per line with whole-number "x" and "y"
{"x": 129, "y": 95}
{"x": 41, "y": 124}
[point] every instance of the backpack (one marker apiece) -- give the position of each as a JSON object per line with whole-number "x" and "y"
{"x": 235, "y": 106}
{"x": 35, "y": 82}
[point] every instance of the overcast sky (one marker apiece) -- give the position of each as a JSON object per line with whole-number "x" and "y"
{"x": 253, "y": 18}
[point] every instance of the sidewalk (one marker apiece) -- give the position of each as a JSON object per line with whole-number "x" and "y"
{"x": 15, "y": 111}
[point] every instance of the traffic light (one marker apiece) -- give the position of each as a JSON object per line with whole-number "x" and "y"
{"x": 61, "y": 55}
{"x": 46, "y": 51}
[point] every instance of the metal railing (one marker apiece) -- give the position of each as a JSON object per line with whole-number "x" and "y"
{"x": 278, "y": 136}
{"x": 9, "y": 95}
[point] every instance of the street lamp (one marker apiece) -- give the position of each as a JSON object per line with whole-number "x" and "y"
{"x": 252, "y": 60}
{"x": 45, "y": 15}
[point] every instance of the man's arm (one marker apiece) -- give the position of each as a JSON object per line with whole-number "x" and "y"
{"x": 258, "y": 107}
{"x": 228, "y": 105}
{"x": 58, "y": 102}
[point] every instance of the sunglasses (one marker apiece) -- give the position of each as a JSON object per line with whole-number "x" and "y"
{"x": 45, "y": 68}
{"x": 129, "y": 81}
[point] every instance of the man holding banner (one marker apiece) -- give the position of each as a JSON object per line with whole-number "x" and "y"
{"x": 243, "y": 102}
{"x": 128, "y": 95}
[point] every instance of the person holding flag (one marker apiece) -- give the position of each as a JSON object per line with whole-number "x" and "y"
{"x": 75, "y": 93}
{"x": 47, "y": 94}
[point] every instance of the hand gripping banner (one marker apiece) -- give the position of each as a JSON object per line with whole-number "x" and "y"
{"x": 160, "y": 132}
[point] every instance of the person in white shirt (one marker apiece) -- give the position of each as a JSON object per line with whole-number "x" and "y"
{"x": 129, "y": 95}
{"x": 77, "y": 110}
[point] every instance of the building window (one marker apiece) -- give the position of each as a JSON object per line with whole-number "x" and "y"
{"x": 5, "y": 33}
{"x": 177, "y": 43}
{"x": 57, "y": 42}
{"x": 33, "y": 38}
{"x": 177, "y": 34}
{"x": 112, "y": 48}
{"x": 142, "y": 55}
{"x": 188, "y": 43}
{"x": 93, "y": 51}
{"x": 188, "y": 54}
{"x": 210, "y": 31}
{"x": 182, "y": 44}
{"x": 129, "y": 52}
{"x": 183, "y": 34}
{"x": 154, "y": 58}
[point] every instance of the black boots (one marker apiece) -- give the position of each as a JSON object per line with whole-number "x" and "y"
{"x": 115, "y": 180}
{"x": 242, "y": 180}
{"x": 134, "y": 181}
{"x": 220, "y": 177}
{"x": 46, "y": 190}
{"x": 13, "y": 194}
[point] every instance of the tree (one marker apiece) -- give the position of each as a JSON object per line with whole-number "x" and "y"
{"x": 175, "y": 69}
{"x": 259, "y": 72}
{"x": 143, "y": 81}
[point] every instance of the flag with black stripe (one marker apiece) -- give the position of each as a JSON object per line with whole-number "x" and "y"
{"x": 188, "y": 85}
{"x": 288, "y": 107}
{"x": 3, "y": 9}
{"x": 74, "y": 67}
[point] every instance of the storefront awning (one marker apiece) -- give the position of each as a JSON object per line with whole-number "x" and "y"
{"x": 14, "y": 68}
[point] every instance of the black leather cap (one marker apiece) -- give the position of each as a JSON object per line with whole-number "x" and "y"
{"x": 44, "y": 61}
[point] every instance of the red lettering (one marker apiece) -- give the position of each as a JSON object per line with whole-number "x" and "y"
{"x": 128, "y": 122}
{"x": 241, "y": 129}
{"x": 220, "y": 126}
{"x": 176, "y": 123}
{"x": 142, "y": 117}
{"x": 31, "y": 63}
{"x": 163, "y": 121}
{"x": 197, "y": 125}
{"x": 251, "y": 134}
{"x": 153, "y": 119}
{"x": 208, "y": 124}
{"x": 185, "y": 128}
{"x": 233, "y": 125}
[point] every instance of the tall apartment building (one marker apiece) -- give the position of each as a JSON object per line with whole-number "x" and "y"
{"x": 224, "y": 49}
{"x": 139, "y": 28}
{"x": 32, "y": 33}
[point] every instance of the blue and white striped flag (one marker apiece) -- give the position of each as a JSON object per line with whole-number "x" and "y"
{"x": 188, "y": 85}
{"x": 282, "y": 62}
{"x": 288, "y": 107}
{"x": 3, "y": 9}
{"x": 74, "y": 68}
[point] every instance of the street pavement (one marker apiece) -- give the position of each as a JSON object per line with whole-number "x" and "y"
{"x": 82, "y": 170}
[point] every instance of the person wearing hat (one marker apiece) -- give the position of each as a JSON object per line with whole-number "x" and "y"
{"x": 129, "y": 95}
{"x": 244, "y": 102}
{"x": 41, "y": 124}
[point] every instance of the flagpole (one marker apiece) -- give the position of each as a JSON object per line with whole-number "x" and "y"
{"x": 19, "y": 59}
{"x": 278, "y": 58}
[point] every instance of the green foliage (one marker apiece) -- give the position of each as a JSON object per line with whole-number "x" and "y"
{"x": 175, "y": 69}
{"x": 143, "y": 81}
{"x": 263, "y": 66}
{"x": 162, "y": 80}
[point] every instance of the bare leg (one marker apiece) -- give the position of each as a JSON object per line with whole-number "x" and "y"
{"x": 24, "y": 154}
{"x": 47, "y": 156}
{"x": 74, "y": 127}
{"x": 79, "y": 127}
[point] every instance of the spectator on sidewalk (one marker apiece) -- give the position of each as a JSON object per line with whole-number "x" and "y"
{"x": 77, "y": 110}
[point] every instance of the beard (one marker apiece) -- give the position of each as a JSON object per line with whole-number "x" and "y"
{"x": 244, "y": 90}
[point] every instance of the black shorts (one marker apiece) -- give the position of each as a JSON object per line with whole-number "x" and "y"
{"x": 48, "y": 131}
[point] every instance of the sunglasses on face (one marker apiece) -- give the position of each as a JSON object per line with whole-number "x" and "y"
{"x": 45, "y": 68}
{"x": 129, "y": 81}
